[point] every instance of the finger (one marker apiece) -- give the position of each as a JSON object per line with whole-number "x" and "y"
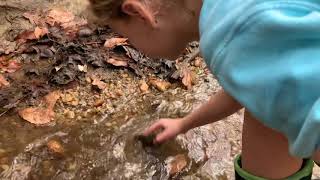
{"x": 153, "y": 128}
{"x": 164, "y": 136}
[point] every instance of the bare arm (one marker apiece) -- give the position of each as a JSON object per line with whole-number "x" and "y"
{"x": 218, "y": 107}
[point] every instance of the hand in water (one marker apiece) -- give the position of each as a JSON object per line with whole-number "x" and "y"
{"x": 170, "y": 128}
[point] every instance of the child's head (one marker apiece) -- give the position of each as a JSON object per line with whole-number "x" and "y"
{"x": 160, "y": 28}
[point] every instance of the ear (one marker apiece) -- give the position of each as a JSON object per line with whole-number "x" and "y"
{"x": 138, "y": 9}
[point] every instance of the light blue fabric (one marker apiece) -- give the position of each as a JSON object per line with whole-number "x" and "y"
{"x": 266, "y": 54}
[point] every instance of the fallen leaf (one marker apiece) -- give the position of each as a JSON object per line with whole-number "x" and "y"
{"x": 40, "y": 32}
{"x": 99, "y": 84}
{"x": 11, "y": 67}
{"x": 59, "y": 16}
{"x": 177, "y": 164}
{"x": 187, "y": 79}
{"x": 113, "y": 42}
{"x": 144, "y": 86}
{"x": 118, "y": 63}
{"x": 3, "y": 81}
{"x": 25, "y": 36}
{"x": 161, "y": 85}
{"x": 41, "y": 116}
{"x": 38, "y": 116}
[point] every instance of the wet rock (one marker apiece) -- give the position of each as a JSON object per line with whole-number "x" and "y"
{"x": 176, "y": 164}
{"x": 147, "y": 140}
{"x": 55, "y": 146}
{"x": 85, "y": 32}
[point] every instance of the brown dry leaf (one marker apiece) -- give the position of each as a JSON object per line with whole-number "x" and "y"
{"x": 10, "y": 67}
{"x": 113, "y": 42}
{"x": 161, "y": 85}
{"x": 3, "y": 81}
{"x": 144, "y": 86}
{"x": 118, "y": 63}
{"x": 38, "y": 116}
{"x": 98, "y": 83}
{"x": 59, "y": 16}
{"x": 187, "y": 79}
{"x": 25, "y": 36}
{"x": 177, "y": 164}
{"x": 40, "y": 32}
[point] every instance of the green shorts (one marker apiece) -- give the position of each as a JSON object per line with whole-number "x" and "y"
{"x": 305, "y": 172}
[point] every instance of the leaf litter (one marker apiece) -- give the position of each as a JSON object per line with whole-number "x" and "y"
{"x": 70, "y": 49}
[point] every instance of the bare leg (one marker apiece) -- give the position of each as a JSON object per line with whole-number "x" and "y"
{"x": 265, "y": 151}
{"x": 316, "y": 157}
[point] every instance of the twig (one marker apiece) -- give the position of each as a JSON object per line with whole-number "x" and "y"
{"x": 4, "y": 112}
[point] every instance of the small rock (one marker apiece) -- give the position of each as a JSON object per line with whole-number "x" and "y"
{"x": 108, "y": 124}
{"x": 119, "y": 92}
{"x": 99, "y": 102}
{"x": 55, "y": 147}
{"x": 4, "y": 160}
{"x": 85, "y": 32}
{"x": 67, "y": 98}
{"x": 75, "y": 102}
{"x": 69, "y": 114}
{"x": 144, "y": 86}
{"x": 88, "y": 79}
{"x": 125, "y": 75}
{"x": 161, "y": 85}
{"x": 176, "y": 164}
{"x": 198, "y": 62}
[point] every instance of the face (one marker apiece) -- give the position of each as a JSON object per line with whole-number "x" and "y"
{"x": 158, "y": 32}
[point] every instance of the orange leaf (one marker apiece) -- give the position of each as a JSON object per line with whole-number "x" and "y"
{"x": 59, "y": 16}
{"x": 118, "y": 63}
{"x": 38, "y": 116}
{"x": 113, "y": 42}
{"x": 97, "y": 82}
{"x": 187, "y": 78}
{"x": 39, "y": 32}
